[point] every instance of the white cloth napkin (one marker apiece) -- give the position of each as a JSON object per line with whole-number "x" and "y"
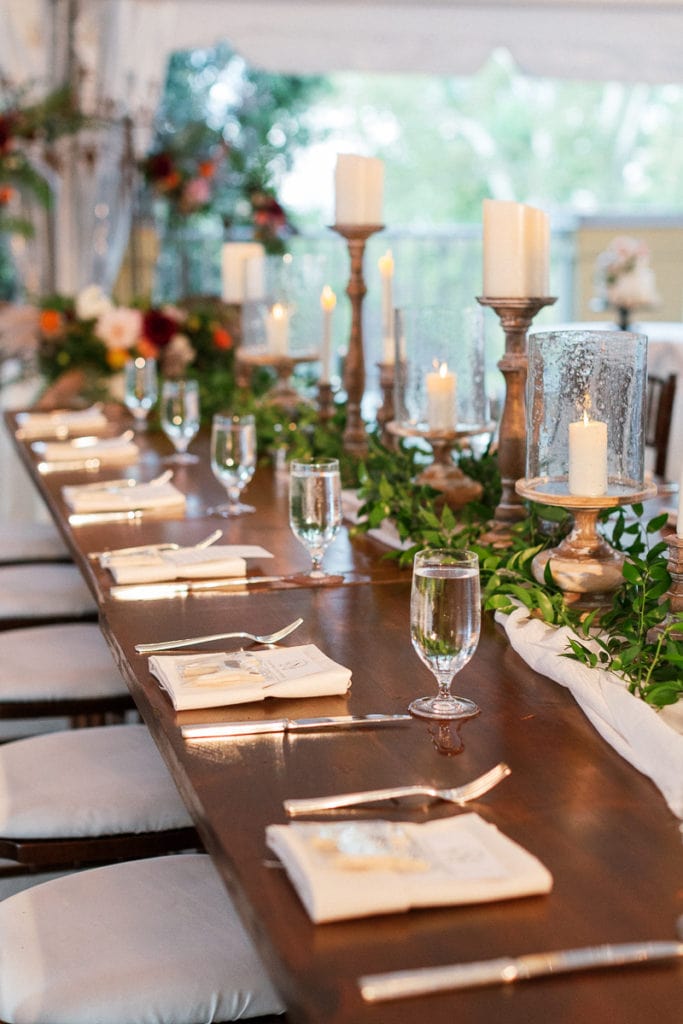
{"x": 120, "y": 496}
{"x": 351, "y": 869}
{"x": 652, "y": 741}
{"x": 115, "y": 451}
{"x": 190, "y": 563}
{"x": 61, "y": 423}
{"x": 219, "y": 680}
{"x": 385, "y": 534}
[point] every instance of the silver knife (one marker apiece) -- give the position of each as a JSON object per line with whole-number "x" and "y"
{"x": 86, "y": 518}
{"x": 282, "y": 725}
{"x": 378, "y": 988}
{"x": 68, "y": 466}
{"x": 158, "y": 591}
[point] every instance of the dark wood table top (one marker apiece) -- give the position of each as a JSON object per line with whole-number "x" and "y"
{"x": 598, "y": 825}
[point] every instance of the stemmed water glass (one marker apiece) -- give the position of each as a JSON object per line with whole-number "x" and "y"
{"x": 445, "y": 619}
{"x": 233, "y": 460}
{"x": 140, "y": 389}
{"x": 180, "y": 417}
{"x": 315, "y": 510}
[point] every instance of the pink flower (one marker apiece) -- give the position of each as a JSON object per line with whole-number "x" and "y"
{"x": 119, "y": 328}
{"x": 197, "y": 192}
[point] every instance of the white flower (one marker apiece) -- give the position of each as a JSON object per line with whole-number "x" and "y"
{"x": 92, "y": 302}
{"x": 119, "y": 327}
{"x": 177, "y": 355}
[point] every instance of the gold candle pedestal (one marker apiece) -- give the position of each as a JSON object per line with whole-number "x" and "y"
{"x": 325, "y": 401}
{"x": 443, "y": 474}
{"x": 674, "y": 594}
{"x": 584, "y": 565}
{"x": 515, "y": 316}
{"x": 355, "y": 437}
{"x": 282, "y": 394}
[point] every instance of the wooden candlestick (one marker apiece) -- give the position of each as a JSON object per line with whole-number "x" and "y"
{"x": 515, "y": 316}
{"x": 355, "y": 437}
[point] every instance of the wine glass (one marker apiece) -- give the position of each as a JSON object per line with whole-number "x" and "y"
{"x": 141, "y": 390}
{"x": 315, "y": 510}
{"x": 233, "y": 460}
{"x": 445, "y": 619}
{"x": 180, "y": 417}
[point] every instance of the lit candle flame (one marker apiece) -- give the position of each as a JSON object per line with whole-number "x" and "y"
{"x": 328, "y": 300}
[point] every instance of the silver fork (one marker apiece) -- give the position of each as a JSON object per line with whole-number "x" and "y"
{"x": 460, "y": 795}
{"x": 191, "y": 641}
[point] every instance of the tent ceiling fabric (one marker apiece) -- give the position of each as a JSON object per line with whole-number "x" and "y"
{"x": 124, "y": 44}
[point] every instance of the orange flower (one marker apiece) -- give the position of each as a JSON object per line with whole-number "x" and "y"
{"x": 51, "y": 322}
{"x": 146, "y": 349}
{"x": 117, "y": 358}
{"x": 222, "y": 338}
{"x": 170, "y": 182}
{"x": 206, "y": 169}
{"x": 6, "y": 195}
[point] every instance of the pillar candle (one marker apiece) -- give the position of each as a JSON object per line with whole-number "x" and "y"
{"x": 386, "y": 269}
{"x": 277, "y": 330}
{"x": 516, "y": 250}
{"x": 359, "y": 189}
{"x": 328, "y": 300}
{"x": 242, "y": 272}
{"x": 587, "y": 457}
{"x": 441, "y": 399}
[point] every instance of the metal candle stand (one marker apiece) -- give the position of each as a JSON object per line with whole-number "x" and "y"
{"x": 355, "y": 437}
{"x": 516, "y": 316}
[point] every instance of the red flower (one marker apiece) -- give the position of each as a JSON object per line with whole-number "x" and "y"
{"x": 222, "y": 338}
{"x": 7, "y": 130}
{"x": 158, "y": 328}
{"x": 159, "y": 166}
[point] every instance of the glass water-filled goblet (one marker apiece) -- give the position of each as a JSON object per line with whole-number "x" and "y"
{"x": 180, "y": 417}
{"x": 233, "y": 460}
{"x": 445, "y": 620}
{"x": 140, "y": 389}
{"x": 315, "y": 513}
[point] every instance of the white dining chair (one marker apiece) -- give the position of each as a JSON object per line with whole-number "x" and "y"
{"x": 60, "y": 671}
{"x": 157, "y": 939}
{"x": 88, "y": 796}
{"x": 43, "y": 593}
{"x": 31, "y": 541}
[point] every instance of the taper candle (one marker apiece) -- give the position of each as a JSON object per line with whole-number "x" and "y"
{"x": 386, "y": 269}
{"x": 328, "y": 300}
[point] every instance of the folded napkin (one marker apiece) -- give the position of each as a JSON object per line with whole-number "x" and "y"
{"x": 652, "y": 741}
{"x": 350, "y": 869}
{"x": 185, "y": 563}
{"x": 61, "y": 423}
{"x": 121, "y": 496}
{"x": 116, "y": 451}
{"x": 217, "y": 680}
{"x": 385, "y": 533}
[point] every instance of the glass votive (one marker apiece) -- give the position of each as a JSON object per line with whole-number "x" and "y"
{"x": 586, "y": 413}
{"x": 439, "y": 386}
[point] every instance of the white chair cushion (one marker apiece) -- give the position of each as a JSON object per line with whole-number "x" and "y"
{"x": 35, "y": 591}
{"x": 27, "y": 541}
{"x": 87, "y": 782}
{"x": 58, "y": 662}
{"x": 146, "y": 942}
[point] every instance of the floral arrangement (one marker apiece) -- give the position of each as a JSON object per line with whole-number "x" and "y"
{"x": 93, "y": 335}
{"x": 624, "y": 278}
{"x": 194, "y": 171}
{"x": 21, "y": 127}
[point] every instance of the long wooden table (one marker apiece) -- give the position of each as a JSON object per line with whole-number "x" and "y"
{"x": 601, "y": 828}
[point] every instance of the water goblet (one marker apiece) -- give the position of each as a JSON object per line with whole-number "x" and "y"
{"x": 315, "y": 513}
{"x": 180, "y": 418}
{"x": 445, "y": 620}
{"x": 233, "y": 460}
{"x": 141, "y": 390}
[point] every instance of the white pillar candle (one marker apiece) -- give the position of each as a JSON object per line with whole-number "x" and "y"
{"x": 587, "y": 457}
{"x": 441, "y": 399}
{"x": 277, "y": 330}
{"x": 516, "y": 250}
{"x": 242, "y": 272}
{"x": 386, "y": 269}
{"x": 359, "y": 189}
{"x": 328, "y": 300}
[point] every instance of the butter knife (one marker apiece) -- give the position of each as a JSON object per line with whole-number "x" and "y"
{"x": 88, "y": 518}
{"x": 282, "y": 725}
{"x": 69, "y": 466}
{"x": 378, "y": 988}
{"x": 158, "y": 591}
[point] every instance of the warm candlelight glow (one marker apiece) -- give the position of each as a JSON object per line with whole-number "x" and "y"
{"x": 386, "y": 269}
{"x": 277, "y": 329}
{"x": 328, "y": 300}
{"x": 441, "y": 398}
{"x": 386, "y": 264}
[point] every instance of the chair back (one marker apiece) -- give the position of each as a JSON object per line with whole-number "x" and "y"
{"x": 661, "y": 392}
